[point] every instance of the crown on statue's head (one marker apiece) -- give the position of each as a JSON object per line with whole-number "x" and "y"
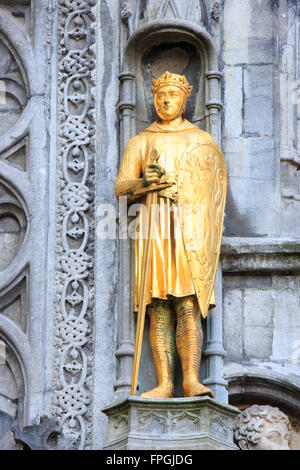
{"x": 172, "y": 79}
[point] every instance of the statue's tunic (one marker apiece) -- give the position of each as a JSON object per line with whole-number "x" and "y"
{"x": 170, "y": 273}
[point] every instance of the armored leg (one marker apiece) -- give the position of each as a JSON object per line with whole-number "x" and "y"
{"x": 189, "y": 340}
{"x": 162, "y": 341}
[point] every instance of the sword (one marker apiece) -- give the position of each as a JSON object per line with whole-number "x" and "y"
{"x": 151, "y": 199}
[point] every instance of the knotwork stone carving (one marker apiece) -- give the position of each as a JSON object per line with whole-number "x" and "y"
{"x": 75, "y": 182}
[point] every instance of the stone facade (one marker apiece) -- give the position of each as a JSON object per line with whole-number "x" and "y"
{"x": 74, "y": 88}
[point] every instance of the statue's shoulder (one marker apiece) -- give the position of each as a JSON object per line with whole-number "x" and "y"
{"x": 206, "y": 139}
{"x": 134, "y": 142}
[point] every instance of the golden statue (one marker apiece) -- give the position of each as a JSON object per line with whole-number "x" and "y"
{"x": 179, "y": 169}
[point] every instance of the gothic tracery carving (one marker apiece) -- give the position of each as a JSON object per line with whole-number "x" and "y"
{"x": 13, "y": 89}
{"x": 146, "y": 12}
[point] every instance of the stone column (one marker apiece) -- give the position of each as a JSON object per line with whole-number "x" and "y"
{"x": 125, "y": 349}
{"x": 74, "y": 284}
{"x": 214, "y": 104}
{"x": 214, "y": 350}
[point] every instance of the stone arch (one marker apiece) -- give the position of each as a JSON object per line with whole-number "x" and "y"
{"x": 18, "y": 359}
{"x": 17, "y": 41}
{"x": 260, "y": 388}
{"x": 13, "y": 206}
{"x": 146, "y": 35}
{"x": 17, "y": 211}
{"x": 169, "y": 31}
{"x": 17, "y": 44}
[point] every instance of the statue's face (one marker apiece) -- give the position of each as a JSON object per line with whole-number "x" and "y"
{"x": 169, "y": 102}
{"x": 274, "y": 436}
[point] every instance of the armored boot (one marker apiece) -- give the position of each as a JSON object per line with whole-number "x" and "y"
{"x": 189, "y": 341}
{"x": 162, "y": 341}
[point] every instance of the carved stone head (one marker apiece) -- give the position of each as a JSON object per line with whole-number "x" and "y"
{"x": 262, "y": 428}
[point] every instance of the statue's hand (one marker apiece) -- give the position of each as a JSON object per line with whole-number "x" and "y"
{"x": 169, "y": 179}
{"x": 152, "y": 174}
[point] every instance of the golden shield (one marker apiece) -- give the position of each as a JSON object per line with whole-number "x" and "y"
{"x": 202, "y": 184}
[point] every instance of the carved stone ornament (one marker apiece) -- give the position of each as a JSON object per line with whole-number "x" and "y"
{"x": 215, "y": 12}
{"x": 46, "y": 435}
{"x": 262, "y": 428}
{"x": 125, "y": 12}
{"x": 74, "y": 279}
{"x": 275, "y": 3}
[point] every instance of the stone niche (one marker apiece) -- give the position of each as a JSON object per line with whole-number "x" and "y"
{"x": 148, "y": 51}
{"x": 182, "y": 58}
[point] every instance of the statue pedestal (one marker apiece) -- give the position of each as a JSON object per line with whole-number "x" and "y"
{"x": 198, "y": 423}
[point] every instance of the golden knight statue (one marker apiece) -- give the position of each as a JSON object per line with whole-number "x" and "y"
{"x": 175, "y": 273}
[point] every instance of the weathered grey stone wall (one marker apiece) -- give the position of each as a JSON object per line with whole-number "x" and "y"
{"x": 106, "y": 325}
{"x": 262, "y": 321}
{"x": 261, "y": 244}
{"x": 249, "y": 140}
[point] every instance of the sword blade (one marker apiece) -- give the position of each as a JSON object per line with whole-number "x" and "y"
{"x": 152, "y": 198}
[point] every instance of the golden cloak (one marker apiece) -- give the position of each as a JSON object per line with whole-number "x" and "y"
{"x": 187, "y": 235}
